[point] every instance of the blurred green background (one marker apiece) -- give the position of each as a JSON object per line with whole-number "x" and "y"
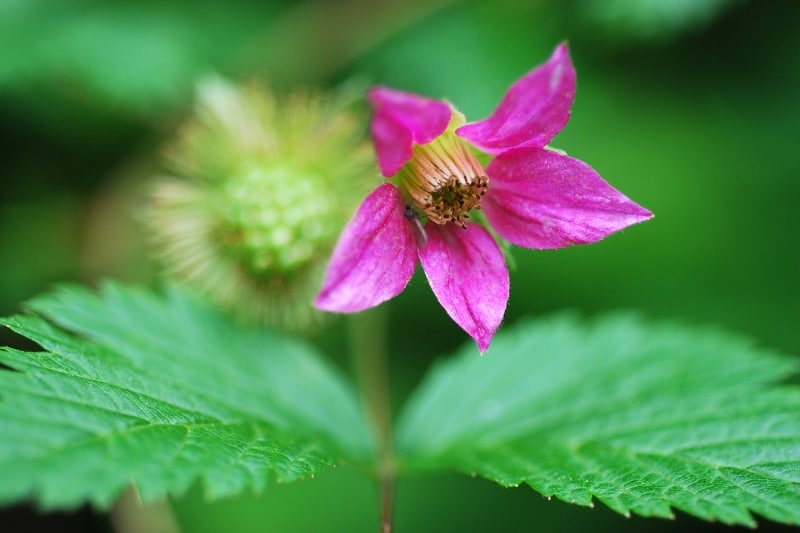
{"x": 690, "y": 107}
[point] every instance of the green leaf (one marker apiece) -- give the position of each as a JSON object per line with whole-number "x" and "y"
{"x": 162, "y": 391}
{"x": 642, "y": 417}
{"x": 134, "y": 56}
{"x": 651, "y": 19}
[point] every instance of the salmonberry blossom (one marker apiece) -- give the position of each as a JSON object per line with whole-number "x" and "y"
{"x": 531, "y": 195}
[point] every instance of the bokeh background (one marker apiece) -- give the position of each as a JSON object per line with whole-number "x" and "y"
{"x": 688, "y": 106}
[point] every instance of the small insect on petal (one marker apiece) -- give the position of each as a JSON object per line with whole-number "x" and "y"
{"x": 417, "y": 229}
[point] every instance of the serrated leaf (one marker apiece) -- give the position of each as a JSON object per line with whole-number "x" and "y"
{"x": 162, "y": 391}
{"x": 643, "y": 417}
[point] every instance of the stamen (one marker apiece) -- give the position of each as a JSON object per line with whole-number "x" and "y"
{"x": 444, "y": 180}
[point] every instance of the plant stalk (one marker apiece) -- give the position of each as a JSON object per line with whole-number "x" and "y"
{"x": 370, "y": 359}
{"x": 130, "y": 515}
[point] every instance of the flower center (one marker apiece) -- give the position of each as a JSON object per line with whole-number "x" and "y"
{"x": 444, "y": 180}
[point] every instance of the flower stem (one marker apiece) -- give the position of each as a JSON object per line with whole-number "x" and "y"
{"x": 370, "y": 359}
{"x": 130, "y": 515}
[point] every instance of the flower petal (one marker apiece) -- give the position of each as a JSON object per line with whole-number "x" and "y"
{"x": 533, "y": 110}
{"x": 468, "y": 275}
{"x": 400, "y": 120}
{"x": 374, "y": 258}
{"x": 539, "y": 198}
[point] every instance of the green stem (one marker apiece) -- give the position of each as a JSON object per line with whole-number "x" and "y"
{"x": 368, "y": 334}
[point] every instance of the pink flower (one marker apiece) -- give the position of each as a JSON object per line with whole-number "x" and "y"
{"x": 532, "y": 196}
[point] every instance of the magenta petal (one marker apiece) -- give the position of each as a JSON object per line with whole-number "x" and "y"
{"x": 468, "y": 275}
{"x": 400, "y": 120}
{"x": 533, "y": 110}
{"x": 542, "y": 199}
{"x": 374, "y": 258}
